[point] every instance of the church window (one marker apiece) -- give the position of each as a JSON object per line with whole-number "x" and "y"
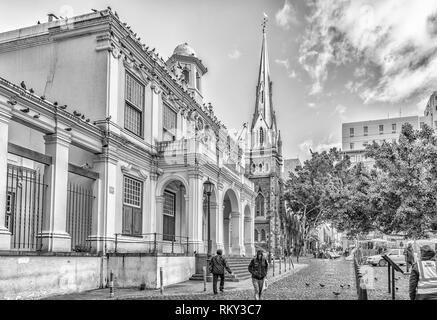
{"x": 259, "y": 205}
{"x": 263, "y": 235}
{"x": 261, "y": 136}
{"x": 256, "y": 235}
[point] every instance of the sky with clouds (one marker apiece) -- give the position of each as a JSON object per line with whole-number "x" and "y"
{"x": 331, "y": 61}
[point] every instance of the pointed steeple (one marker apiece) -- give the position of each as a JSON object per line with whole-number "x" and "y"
{"x": 263, "y": 104}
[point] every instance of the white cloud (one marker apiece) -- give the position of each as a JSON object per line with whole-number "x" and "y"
{"x": 286, "y": 64}
{"x": 341, "y": 110}
{"x": 286, "y": 16}
{"x": 398, "y": 37}
{"x": 235, "y": 54}
{"x": 324, "y": 145}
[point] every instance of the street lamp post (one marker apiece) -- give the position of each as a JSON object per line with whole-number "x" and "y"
{"x": 209, "y": 186}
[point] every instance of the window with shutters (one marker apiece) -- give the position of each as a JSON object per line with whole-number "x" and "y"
{"x": 169, "y": 212}
{"x": 134, "y": 106}
{"x": 132, "y": 206}
{"x": 169, "y": 119}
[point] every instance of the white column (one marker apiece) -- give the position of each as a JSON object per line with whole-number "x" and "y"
{"x": 236, "y": 233}
{"x": 54, "y": 236}
{"x": 5, "y": 235}
{"x": 249, "y": 244}
{"x": 195, "y": 213}
{"x": 159, "y": 217}
{"x": 105, "y": 211}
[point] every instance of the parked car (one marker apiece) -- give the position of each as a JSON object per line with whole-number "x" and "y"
{"x": 397, "y": 255}
{"x": 332, "y": 254}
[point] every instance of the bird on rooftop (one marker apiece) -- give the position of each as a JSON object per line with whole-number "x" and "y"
{"x": 77, "y": 114}
{"x": 12, "y": 102}
{"x": 63, "y": 107}
{"x": 108, "y": 118}
{"x": 88, "y": 120}
{"x": 36, "y": 116}
{"x": 336, "y": 293}
{"x": 43, "y": 97}
{"x": 31, "y": 90}
{"x": 109, "y": 8}
{"x": 307, "y": 284}
{"x": 94, "y": 10}
{"x": 55, "y": 103}
{"x": 68, "y": 129}
{"x": 26, "y": 110}
{"x": 321, "y": 285}
{"x": 38, "y": 22}
{"x": 342, "y": 286}
{"x": 23, "y": 85}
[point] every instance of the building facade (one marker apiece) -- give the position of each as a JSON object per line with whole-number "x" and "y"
{"x": 264, "y": 163}
{"x": 105, "y": 151}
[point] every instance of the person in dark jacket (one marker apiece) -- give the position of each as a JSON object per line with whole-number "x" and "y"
{"x": 423, "y": 283}
{"x": 409, "y": 256}
{"x": 217, "y": 267}
{"x": 258, "y": 268}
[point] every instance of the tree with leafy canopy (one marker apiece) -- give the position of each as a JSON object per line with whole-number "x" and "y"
{"x": 313, "y": 191}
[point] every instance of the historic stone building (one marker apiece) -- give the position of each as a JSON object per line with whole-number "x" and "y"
{"x": 105, "y": 149}
{"x": 264, "y": 163}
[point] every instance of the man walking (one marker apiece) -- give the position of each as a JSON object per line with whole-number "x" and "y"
{"x": 258, "y": 268}
{"x": 423, "y": 278}
{"x": 409, "y": 256}
{"x": 217, "y": 267}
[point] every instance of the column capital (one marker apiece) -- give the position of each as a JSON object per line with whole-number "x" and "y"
{"x": 58, "y": 137}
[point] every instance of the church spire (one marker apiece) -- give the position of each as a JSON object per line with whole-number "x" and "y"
{"x": 263, "y": 105}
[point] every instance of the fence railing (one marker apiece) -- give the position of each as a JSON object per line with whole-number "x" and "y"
{"x": 151, "y": 243}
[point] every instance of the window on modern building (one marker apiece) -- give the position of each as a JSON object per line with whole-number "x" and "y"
{"x": 351, "y": 132}
{"x": 186, "y": 75}
{"x": 169, "y": 122}
{"x": 421, "y": 125}
{"x": 256, "y": 236}
{"x": 381, "y": 129}
{"x": 352, "y": 146}
{"x": 366, "y": 130}
{"x": 393, "y": 128}
{"x": 263, "y": 235}
{"x": 261, "y": 136}
{"x": 134, "y": 106}
{"x": 169, "y": 211}
{"x": 132, "y": 206}
{"x": 259, "y": 204}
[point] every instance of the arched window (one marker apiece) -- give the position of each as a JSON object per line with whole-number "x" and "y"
{"x": 256, "y": 235}
{"x": 259, "y": 203}
{"x": 261, "y": 136}
{"x": 198, "y": 81}
{"x": 263, "y": 235}
{"x": 186, "y": 74}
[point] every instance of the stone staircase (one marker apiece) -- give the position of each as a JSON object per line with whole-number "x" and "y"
{"x": 238, "y": 266}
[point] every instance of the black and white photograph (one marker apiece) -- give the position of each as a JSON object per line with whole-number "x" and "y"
{"x": 224, "y": 152}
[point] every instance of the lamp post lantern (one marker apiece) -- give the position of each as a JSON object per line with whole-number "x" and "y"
{"x": 209, "y": 187}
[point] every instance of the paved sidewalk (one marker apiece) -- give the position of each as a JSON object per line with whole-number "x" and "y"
{"x": 188, "y": 288}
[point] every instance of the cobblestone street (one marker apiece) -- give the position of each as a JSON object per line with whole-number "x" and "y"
{"x": 318, "y": 281}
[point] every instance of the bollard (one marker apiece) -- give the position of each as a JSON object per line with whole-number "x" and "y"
{"x": 279, "y": 264}
{"x": 204, "y": 278}
{"x": 285, "y": 264}
{"x": 111, "y": 285}
{"x": 273, "y": 266}
{"x": 161, "y": 274}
